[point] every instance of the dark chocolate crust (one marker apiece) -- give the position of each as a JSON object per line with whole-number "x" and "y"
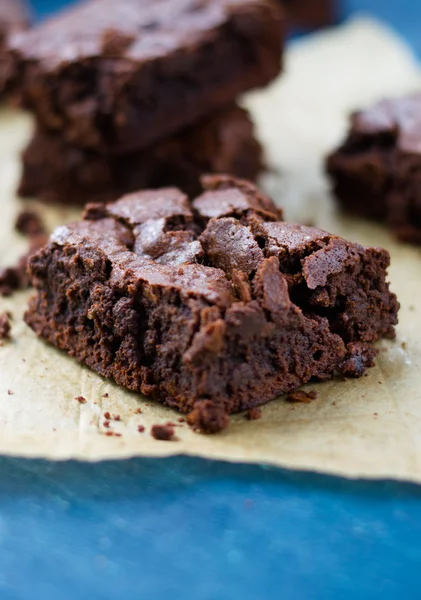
{"x": 376, "y": 172}
{"x": 120, "y": 76}
{"x": 55, "y": 172}
{"x": 211, "y": 306}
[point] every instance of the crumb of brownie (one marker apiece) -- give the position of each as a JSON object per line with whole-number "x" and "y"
{"x": 15, "y": 277}
{"x": 403, "y": 345}
{"x": 138, "y": 411}
{"x": 376, "y": 414}
{"x": 116, "y": 417}
{"x": 105, "y": 395}
{"x": 29, "y": 222}
{"x": 253, "y": 414}
{"x": 301, "y": 396}
{"x": 107, "y": 415}
{"x": 106, "y": 424}
{"x": 208, "y": 417}
{"x": 164, "y": 433}
{"x": 5, "y": 326}
{"x": 10, "y": 392}
{"x": 112, "y": 433}
{"x": 333, "y": 403}
{"x": 181, "y": 420}
{"x": 140, "y": 428}
{"x": 80, "y": 399}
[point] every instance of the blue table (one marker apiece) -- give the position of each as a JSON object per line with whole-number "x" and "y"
{"x": 200, "y": 530}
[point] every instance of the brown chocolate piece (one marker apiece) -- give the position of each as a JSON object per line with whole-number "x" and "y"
{"x": 57, "y": 172}
{"x": 121, "y": 76}
{"x": 301, "y": 396}
{"x": 255, "y": 413}
{"x": 29, "y": 223}
{"x": 376, "y": 172}
{"x": 5, "y": 326}
{"x": 164, "y": 433}
{"x": 15, "y": 277}
{"x": 149, "y": 295}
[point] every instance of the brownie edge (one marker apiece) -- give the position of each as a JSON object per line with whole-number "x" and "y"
{"x": 210, "y": 306}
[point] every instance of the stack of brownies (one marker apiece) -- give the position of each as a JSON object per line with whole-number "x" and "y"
{"x": 142, "y": 93}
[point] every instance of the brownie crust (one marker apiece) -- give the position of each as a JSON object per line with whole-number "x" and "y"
{"x": 120, "y": 76}
{"x": 211, "y": 306}
{"x": 376, "y": 173}
{"x": 54, "y": 171}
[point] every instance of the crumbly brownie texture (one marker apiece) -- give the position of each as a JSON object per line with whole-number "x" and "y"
{"x": 14, "y": 17}
{"x": 56, "y": 172}
{"x": 211, "y": 306}
{"x": 309, "y": 14}
{"x": 376, "y": 172}
{"x": 120, "y": 76}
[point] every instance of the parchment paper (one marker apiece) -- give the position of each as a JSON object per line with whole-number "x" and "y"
{"x": 369, "y": 427}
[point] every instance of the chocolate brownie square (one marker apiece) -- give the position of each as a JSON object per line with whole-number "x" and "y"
{"x": 57, "y": 172}
{"x": 376, "y": 173}
{"x": 210, "y": 306}
{"x": 120, "y": 76}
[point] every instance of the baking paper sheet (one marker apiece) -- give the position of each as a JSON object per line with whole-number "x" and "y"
{"x": 369, "y": 427}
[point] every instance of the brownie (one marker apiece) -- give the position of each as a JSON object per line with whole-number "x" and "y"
{"x": 56, "y": 172}
{"x": 120, "y": 76}
{"x": 376, "y": 173}
{"x": 310, "y": 14}
{"x": 210, "y": 306}
{"x": 14, "y": 17}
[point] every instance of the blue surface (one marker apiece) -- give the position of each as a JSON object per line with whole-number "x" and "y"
{"x": 201, "y": 530}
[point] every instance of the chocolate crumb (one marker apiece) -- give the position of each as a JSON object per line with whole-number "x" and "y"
{"x": 5, "y": 326}
{"x": 107, "y": 415}
{"x": 376, "y": 414}
{"x": 333, "y": 403}
{"x": 181, "y": 420}
{"x": 10, "y": 393}
{"x": 106, "y": 424}
{"x": 140, "y": 428}
{"x": 105, "y": 395}
{"x": 208, "y": 417}
{"x": 112, "y": 433}
{"x": 116, "y": 417}
{"x": 163, "y": 432}
{"x": 15, "y": 277}
{"x": 29, "y": 223}
{"x": 138, "y": 411}
{"x": 301, "y": 396}
{"x": 80, "y": 399}
{"x": 253, "y": 414}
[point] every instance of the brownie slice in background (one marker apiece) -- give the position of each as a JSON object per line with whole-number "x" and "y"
{"x": 376, "y": 173}
{"x": 14, "y": 17}
{"x": 57, "y": 172}
{"x": 121, "y": 76}
{"x": 210, "y": 306}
